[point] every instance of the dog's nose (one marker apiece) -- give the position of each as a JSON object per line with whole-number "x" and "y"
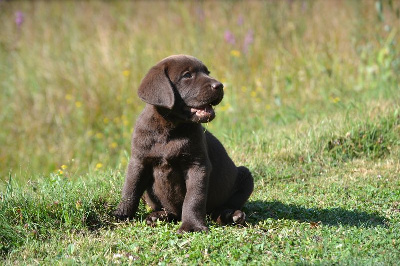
{"x": 217, "y": 86}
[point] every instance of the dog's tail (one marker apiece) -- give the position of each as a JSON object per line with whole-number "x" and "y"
{"x": 245, "y": 180}
{"x": 244, "y": 172}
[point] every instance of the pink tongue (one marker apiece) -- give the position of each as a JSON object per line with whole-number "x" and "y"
{"x": 208, "y": 110}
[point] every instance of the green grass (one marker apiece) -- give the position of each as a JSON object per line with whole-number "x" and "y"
{"x": 311, "y": 107}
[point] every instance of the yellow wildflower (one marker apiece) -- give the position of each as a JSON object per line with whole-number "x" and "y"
{"x": 117, "y": 120}
{"x": 126, "y": 73}
{"x": 335, "y": 99}
{"x": 64, "y": 167}
{"x": 99, "y": 165}
{"x": 258, "y": 82}
{"x": 99, "y": 135}
{"x": 235, "y": 53}
{"x": 225, "y": 107}
{"x": 129, "y": 100}
{"x": 125, "y": 121}
{"x": 114, "y": 145}
{"x": 78, "y": 104}
{"x": 290, "y": 26}
{"x": 68, "y": 97}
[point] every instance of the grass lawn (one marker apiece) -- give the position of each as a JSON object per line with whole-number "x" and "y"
{"x": 312, "y": 107}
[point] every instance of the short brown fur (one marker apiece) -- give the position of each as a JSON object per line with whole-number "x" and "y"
{"x": 182, "y": 170}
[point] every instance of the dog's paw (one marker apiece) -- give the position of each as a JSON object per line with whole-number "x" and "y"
{"x": 188, "y": 227}
{"x": 121, "y": 215}
{"x": 230, "y": 216}
{"x": 165, "y": 216}
{"x": 123, "y": 212}
{"x": 239, "y": 217}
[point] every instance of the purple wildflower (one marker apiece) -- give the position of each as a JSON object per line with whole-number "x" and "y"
{"x": 19, "y": 18}
{"x": 229, "y": 37}
{"x": 248, "y": 40}
{"x": 200, "y": 13}
{"x": 303, "y": 6}
{"x": 240, "y": 20}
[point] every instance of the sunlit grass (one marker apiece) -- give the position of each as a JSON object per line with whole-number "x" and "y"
{"x": 311, "y": 106}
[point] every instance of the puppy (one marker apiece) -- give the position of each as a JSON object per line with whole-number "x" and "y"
{"x": 180, "y": 168}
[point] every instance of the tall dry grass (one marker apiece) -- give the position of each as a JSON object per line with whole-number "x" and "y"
{"x": 69, "y": 70}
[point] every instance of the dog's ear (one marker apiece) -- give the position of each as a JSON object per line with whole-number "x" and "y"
{"x": 156, "y": 88}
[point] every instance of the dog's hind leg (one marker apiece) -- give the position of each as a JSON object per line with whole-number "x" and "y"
{"x": 230, "y": 212}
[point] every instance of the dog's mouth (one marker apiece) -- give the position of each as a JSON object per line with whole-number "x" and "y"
{"x": 202, "y": 114}
{"x": 203, "y": 111}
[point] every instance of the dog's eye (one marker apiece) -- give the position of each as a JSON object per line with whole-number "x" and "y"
{"x": 187, "y": 75}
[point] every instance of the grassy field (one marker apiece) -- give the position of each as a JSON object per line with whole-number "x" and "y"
{"x": 312, "y": 107}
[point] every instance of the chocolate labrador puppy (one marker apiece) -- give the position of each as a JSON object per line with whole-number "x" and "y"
{"x": 183, "y": 171}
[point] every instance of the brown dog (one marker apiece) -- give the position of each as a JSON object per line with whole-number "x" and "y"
{"x": 183, "y": 169}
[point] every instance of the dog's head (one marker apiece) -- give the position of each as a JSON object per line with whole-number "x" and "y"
{"x": 181, "y": 84}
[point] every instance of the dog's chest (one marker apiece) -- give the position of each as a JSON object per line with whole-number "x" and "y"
{"x": 172, "y": 158}
{"x": 170, "y": 163}
{"x": 170, "y": 151}
{"x": 171, "y": 154}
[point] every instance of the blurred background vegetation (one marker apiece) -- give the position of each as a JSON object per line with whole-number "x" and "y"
{"x": 69, "y": 71}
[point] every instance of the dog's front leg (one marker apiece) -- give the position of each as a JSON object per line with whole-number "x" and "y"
{"x": 135, "y": 184}
{"x": 194, "y": 205}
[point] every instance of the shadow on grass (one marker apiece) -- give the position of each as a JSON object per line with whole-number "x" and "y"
{"x": 259, "y": 210}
